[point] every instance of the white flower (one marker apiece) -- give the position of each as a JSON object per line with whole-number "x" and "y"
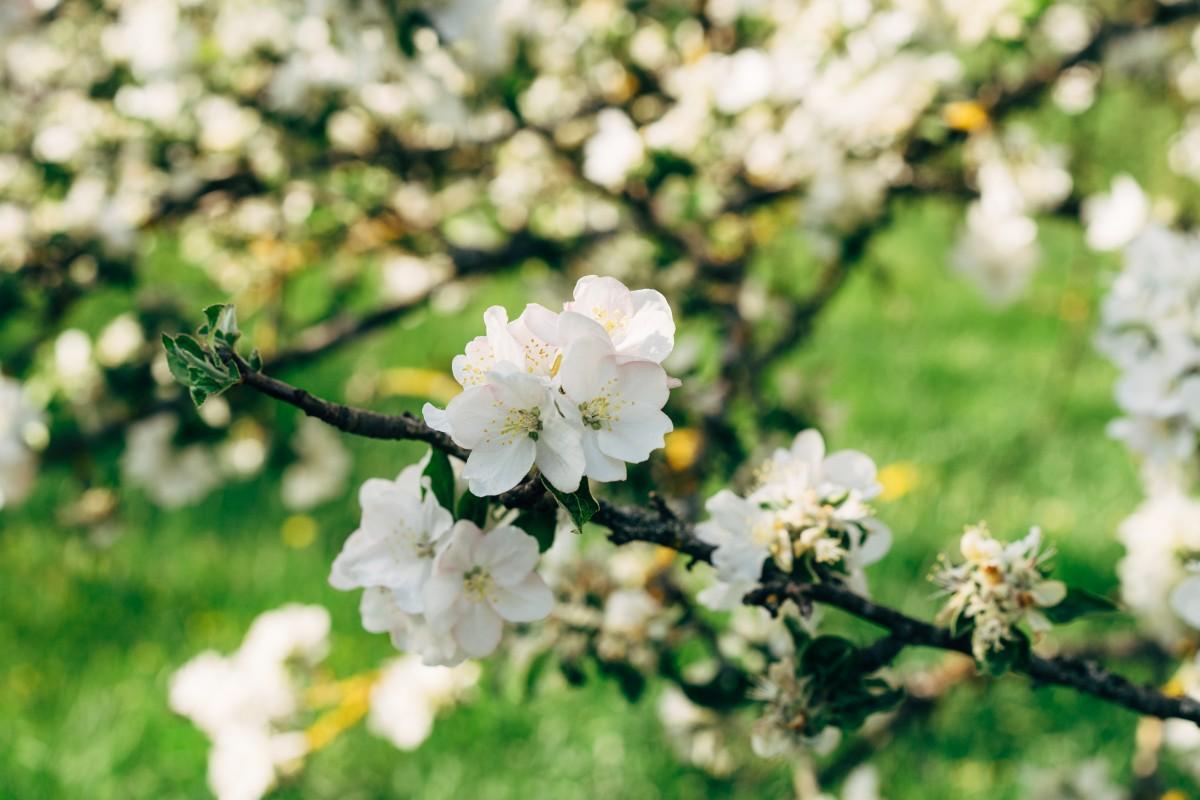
{"x": 510, "y": 423}
{"x": 1115, "y": 219}
{"x": 639, "y": 322}
{"x": 512, "y": 342}
{"x": 408, "y": 695}
{"x": 618, "y": 403}
{"x": 171, "y": 477}
{"x": 805, "y": 467}
{"x": 480, "y": 581}
{"x": 394, "y": 547}
{"x": 613, "y": 151}
{"x": 245, "y": 702}
{"x": 408, "y": 632}
{"x": 743, "y": 533}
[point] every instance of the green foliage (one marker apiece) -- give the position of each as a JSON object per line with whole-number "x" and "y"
{"x": 441, "y": 478}
{"x": 541, "y": 525}
{"x": 842, "y": 694}
{"x": 472, "y": 508}
{"x": 1013, "y": 655}
{"x": 1078, "y": 603}
{"x": 200, "y": 365}
{"x": 579, "y": 504}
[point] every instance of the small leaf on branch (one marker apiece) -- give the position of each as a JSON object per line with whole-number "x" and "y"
{"x": 1077, "y": 603}
{"x": 579, "y": 504}
{"x": 1013, "y": 655}
{"x": 541, "y": 525}
{"x": 441, "y": 478}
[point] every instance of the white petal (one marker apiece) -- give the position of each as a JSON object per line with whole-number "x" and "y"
{"x": 851, "y": 469}
{"x": 560, "y": 454}
{"x": 587, "y": 366}
{"x": 478, "y": 630}
{"x": 493, "y": 470}
{"x": 526, "y": 601}
{"x": 508, "y": 553}
{"x": 597, "y": 465}
{"x": 442, "y": 592}
{"x": 1185, "y": 600}
{"x": 809, "y": 448}
{"x": 640, "y": 431}
{"x": 643, "y": 383}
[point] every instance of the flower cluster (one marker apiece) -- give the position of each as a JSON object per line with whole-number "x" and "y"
{"x": 807, "y": 509}
{"x": 577, "y": 393}
{"x": 256, "y": 704}
{"x": 996, "y": 588}
{"x": 1149, "y": 329}
{"x": 22, "y": 431}
{"x": 408, "y": 695}
{"x": 439, "y": 588}
{"x": 1160, "y": 538}
{"x": 248, "y": 703}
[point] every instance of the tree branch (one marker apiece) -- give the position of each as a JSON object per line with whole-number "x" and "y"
{"x": 635, "y": 524}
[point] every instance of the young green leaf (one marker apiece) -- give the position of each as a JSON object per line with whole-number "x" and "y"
{"x": 579, "y": 504}
{"x": 1077, "y": 603}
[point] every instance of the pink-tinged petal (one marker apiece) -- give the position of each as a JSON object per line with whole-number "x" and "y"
{"x": 597, "y": 465}
{"x": 479, "y": 629}
{"x": 588, "y": 368}
{"x": 809, "y": 448}
{"x": 851, "y": 469}
{"x": 541, "y": 322}
{"x": 527, "y": 601}
{"x": 493, "y": 470}
{"x": 504, "y": 344}
{"x": 560, "y": 455}
{"x": 595, "y": 293}
{"x": 472, "y": 366}
{"x": 508, "y": 554}
{"x": 641, "y": 431}
{"x": 643, "y": 383}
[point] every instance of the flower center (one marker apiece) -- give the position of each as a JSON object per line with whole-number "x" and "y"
{"x": 523, "y": 421}
{"x": 596, "y": 412}
{"x": 478, "y": 583}
{"x": 424, "y": 548}
{"x": 610, "y": 319}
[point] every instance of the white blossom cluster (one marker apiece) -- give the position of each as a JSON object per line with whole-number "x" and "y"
{"x": 805, "y": 507}
{"x": 577, "y": 393}
{"x": 22, "y": 431}
{"x": 249, "y": 703}
{"x": 997, "y": 587}
{"x": 1016, "y": 177}
{"x": 1150, "y": 329}
{"x": 176, "y": 476}
{"x": 254, "y": 704}
{"x": 438, "y": 588}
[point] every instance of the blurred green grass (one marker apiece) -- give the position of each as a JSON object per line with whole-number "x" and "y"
{"x": 999, "y": 413}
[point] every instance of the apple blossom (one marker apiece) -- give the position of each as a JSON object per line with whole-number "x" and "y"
{"x": 394, "y": 547}
{"x": 482, "y": 580}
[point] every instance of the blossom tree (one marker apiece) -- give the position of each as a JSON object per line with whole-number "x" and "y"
{"x": 707, "y": 176}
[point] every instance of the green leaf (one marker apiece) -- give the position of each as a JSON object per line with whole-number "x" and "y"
{"x": 540, "y": 525}
{"x": 472, "y": 508}
{"x": 441, "y": 478}
{"x": 175, "y": 360}
{"x": 579, "y": 504}
{"x": 198, "y": 396}
{"x": 1077, "y": 603}
{"x": 631, "y": 682}
{"x": 255, "y": 360}
{"x": 1015, "y": 653}
{"x": 827, "y": 656}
